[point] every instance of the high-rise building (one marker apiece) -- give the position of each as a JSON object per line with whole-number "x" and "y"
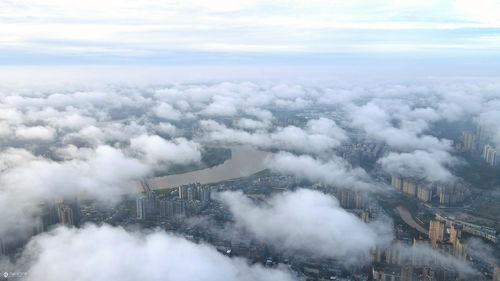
{"x": 482, "y": 135}
{"x": 166, "y": 208}
{"x": 146, "y": 206}
{"x": 171, "y": 208}
{"x": 410, "y": 187}
{"x": 489, "y": 155}
{"x": 397, "y": 182}
{"x": 424, "y": 193}
{"x": 392, "y": 254}
{"x": 346, "y": 198}
{"x": 455, "y": 233}
{"x": 365, "y": 216}
{"x": 179, "y": 208}
{"x": 48, "y": 216}
{"x": 469, "y": 139}
{"x": 183, "y": 192}
{"x": 456, "y": 240}
{"x": 360, "y": 200}
{"x": 451, "y": 194}
{"x": 436, "y": 232}
{"x": 141, "y": 207}
{"x": 191, "y": 194}
{"x": 65, "y": 214}
{"x": 205, "y": 194}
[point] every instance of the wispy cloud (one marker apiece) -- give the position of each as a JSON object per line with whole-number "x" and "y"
{"x": 116, "y": 29}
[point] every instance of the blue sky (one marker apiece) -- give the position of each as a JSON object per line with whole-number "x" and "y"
{"x": 248, "y": 32}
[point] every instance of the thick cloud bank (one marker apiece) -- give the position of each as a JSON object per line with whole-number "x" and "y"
{"x": 103, "y": 253}
{"x": 309, "y": 222}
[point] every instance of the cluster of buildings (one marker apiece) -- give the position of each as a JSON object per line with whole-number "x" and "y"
{"x": 489, "y": 155}
{"x": 447, "y": 237}
{"x": 361, "y": 153}
{"x": 408, "y": 260}
{"x": 189, "y": 199}
{"x": 63, "y": 212}
{"x": 448, "y": 194}
{"x": 474, "y": 229}
{"x": 477, "y": 143}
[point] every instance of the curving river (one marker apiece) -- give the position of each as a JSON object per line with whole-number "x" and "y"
{"x": 244, "y": 161}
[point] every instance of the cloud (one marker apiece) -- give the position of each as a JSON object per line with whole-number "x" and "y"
{"x": 251, "y": 124}
{"x": 221, "y": 106}
{"x": 157, "y": 150}
{"x": 476, "y": 248}
{"x": 319, "y": 136}
{"x": 105, "y": 175}
{"x": 35, "y": 133}
{"x": 112, "y": 253}
{"x": 425, "y": 255}
{"x": 318, "y": 28}
{"x": 378, "y": 123}
{"x": 335, "y": 171}
{"x": 309, "y": 222}
{"x": 166, "y": 111}
{"x": 432, "y": 166}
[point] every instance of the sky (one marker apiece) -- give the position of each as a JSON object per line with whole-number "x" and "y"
{"x": 248, "y": 32}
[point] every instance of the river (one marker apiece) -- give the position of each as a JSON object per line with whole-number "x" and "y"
{"x": 408, "y": 219}
{"x": 244, "y": 161}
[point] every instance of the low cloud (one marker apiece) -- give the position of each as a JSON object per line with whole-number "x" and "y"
{"x": 157, "y": 150}
{"x": 336, "y": 171}
{"x": 318, "y": 136}
{"x": 310, "y": 222}
{"x": 431, "y": 166}
{"x": 35, "y": 133}
{"x": 424, "y": 255}
{"x": 112, "y": 253}
{"x": 27, "y": 180}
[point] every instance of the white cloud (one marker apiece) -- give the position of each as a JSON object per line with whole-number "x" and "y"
{"x": 166, "y": 111}
{"x": 310, "y": 222}
{"x": 111, "y": 253}
{"x": 145, "y": 28}
{"x": 432, "y": 166}
{"x": 157, "y": 150}
{"x": 104, "y": 174}
{"x": 319, "y": 136}
{"x": 334, "y": 172}
{"x": 35, "y": 133}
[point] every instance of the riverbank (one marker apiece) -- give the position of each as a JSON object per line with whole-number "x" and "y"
{"x": 408, "y": 219}
{"x": 244, "y": 161}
